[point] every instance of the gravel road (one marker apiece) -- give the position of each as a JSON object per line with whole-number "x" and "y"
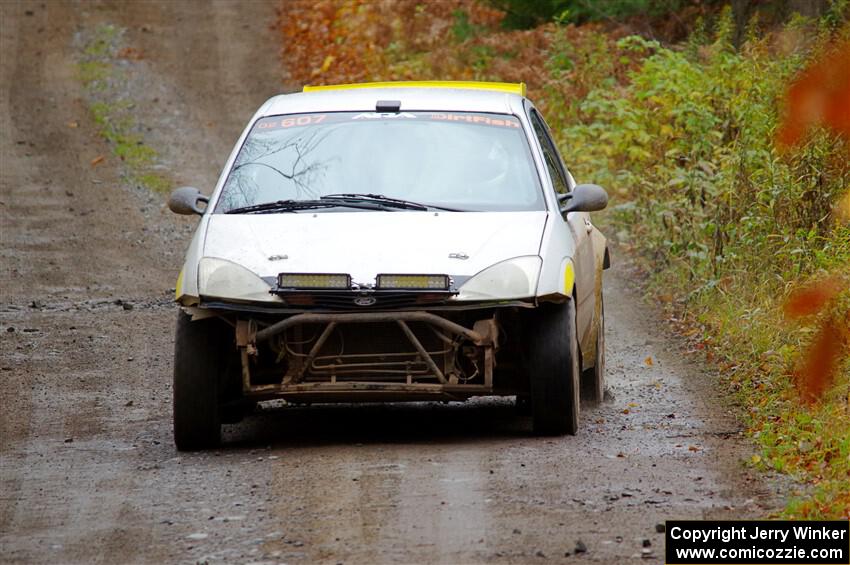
{"x": 88, "y": 470}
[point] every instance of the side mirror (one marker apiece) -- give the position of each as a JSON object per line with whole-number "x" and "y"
{"x": 184, "y": 200}
{"x": 584, "y": 198}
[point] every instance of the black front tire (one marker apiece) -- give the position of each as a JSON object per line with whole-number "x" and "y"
{"x": 523, "y": 405}
{"x": 593, "y": 379}
{"x": 555, "y": 370}
{"x": 200, "y": 358}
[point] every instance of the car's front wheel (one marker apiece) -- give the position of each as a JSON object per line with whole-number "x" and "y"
{"x": 200, "y": 361}
{"x": 554, "y": 370}
{"x": 593, "y": 379}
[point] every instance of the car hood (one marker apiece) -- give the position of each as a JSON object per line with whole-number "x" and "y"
{"x": 364, "y": 244}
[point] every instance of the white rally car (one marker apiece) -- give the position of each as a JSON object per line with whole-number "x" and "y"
{"x": 391, "y": 242}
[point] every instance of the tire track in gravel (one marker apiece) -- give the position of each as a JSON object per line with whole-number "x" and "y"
{"x": 67, "y": 233}
{"x": 76, "y": 239}
{"x": 356, "y": 484}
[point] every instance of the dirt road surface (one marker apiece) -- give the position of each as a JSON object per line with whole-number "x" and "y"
{"x": 88, "y": 471}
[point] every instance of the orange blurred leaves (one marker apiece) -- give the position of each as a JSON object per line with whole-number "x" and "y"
{"x": 348, "y": 41}
{"x": 818, "y": 365}
{"x": 812, "y": 298}
{"x": 344, "y": 41}
{"x": 820, "y": 96}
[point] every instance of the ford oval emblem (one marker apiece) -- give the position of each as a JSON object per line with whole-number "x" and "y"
{"x": 365, "y": 300}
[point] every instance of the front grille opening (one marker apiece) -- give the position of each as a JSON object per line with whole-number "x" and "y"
{"x": 360, "y": 301}
{"x": 375, "y": 352}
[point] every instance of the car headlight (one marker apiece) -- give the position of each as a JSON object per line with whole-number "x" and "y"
{"x": 514, "y": 278}
{"x": 225, "y": 279}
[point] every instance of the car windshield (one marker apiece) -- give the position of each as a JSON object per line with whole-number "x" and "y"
{"x": 456, "y": 160}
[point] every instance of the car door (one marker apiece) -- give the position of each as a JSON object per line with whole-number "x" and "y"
{"x": 579, "y": 226}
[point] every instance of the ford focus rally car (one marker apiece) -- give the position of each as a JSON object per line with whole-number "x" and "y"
{"x": 391, "y": 242}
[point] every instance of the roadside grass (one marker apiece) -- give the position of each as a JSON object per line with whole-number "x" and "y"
{"x": 729, "y": 226}
{"x": 103, "y": 79}
{"x": 725, "y": 225}
{"x": 742, "y": 330}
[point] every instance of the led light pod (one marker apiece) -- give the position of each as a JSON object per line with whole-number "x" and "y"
{"x": 413, "y": 282}
{"x": 314, "y": 281}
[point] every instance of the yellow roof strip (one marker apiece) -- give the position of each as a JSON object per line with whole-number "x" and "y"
{"x": 508, "y": 87}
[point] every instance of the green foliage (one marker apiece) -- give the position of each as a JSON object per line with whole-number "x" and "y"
{"x": 836, "y": 15}
{"x": 689, "y": 143}
{"x": 92, "y": 73}
{"x": 101, "y": 45}
{"x": 524, "y": 13}
{"x": 521, "y": 14}
{"x": 116, "y": 127}
{"x": 462, "y": 28}
{"x": 727, "y": 222}
{"x": 585, "y": 10}
{"x": 97, "y": 71}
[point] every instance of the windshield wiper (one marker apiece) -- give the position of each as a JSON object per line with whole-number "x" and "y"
{"x": 357, "y": 201}
{"x": 293, "y": 205}
{"x": 387, "y": 201}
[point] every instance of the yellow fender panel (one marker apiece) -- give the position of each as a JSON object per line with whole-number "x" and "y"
{"x": 178, "y": 288}
{"x": 569, "y": 278}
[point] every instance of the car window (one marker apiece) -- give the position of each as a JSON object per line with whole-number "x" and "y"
{"x": 460, "y": 160}
{"x": 550, "y": 154}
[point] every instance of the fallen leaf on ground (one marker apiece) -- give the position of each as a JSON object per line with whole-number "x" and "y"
{"x": 97, "y": 160}
{"x": 131, "y": 53}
